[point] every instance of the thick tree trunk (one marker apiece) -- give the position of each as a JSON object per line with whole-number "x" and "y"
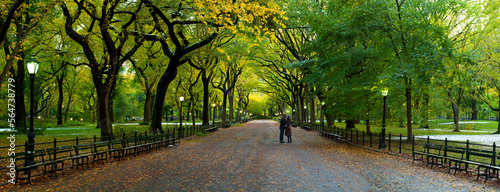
{"x": 224, "y": 106}
{"x": 104, "y": 98}
{"x": 408, "y": 109}
{"x": 231, "y": 98}
{"x": 60, "y": 100}
{"x": 349, "y": 124}
{"x": 161, "y": 91}
{"x": 19, "y": 96}
{"x": 205, "y": 80}
{"x": 147, "y": 105}
{"x": 312, "y": 108}
{"x": 301, "y": 109}
{"x": 330, "y": 119}
{"x": 474, "y": 109}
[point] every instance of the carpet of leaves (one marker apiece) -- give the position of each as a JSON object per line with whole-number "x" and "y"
{"x": 249, "y": 158}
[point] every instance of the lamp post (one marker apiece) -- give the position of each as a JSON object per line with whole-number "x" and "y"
{"x": 32, "y": 69}
{"x": 180, "y": 132}
{"x": 382, "y": 141}
{"x": 213, "y": 115}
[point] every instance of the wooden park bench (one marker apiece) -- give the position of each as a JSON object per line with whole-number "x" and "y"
{"x": 484, "y": 159}
{"x": 57, "y": 156}
{"x": 115, "y": 149}
{"x": 81, "y": 155}
{"x": 100, "y": 152}
{"x": 431, "y": 152}
{"x": 455, "y": 157}
{"x": 26, "y": 170}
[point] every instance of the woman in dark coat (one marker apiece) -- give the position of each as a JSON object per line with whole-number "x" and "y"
{"x": 282, "y": 127}
{"x": 288, "y": 128}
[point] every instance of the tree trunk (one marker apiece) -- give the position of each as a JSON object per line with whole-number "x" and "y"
{"x": 104, "y": 97}
{"x": 301, "y": 109}
{"x": 474, "y": 108}
{"x": 455, "y": 116}
{"x": 147, "y": 105}
{"x": 161, "y": 91}
{"x": 312, "y": 108}
{"x": 231, "y": 98}
{"x": 205, "y": 80}
{"x": 349, "y": 124}
{"x": 19, "y": 96}
{"x": 408, "y": 109}
{"x": 224, "y": 106}
{"x": 68, "y": 105}
{"x": 60, "y": 100}
{"x": 330, "y": 119}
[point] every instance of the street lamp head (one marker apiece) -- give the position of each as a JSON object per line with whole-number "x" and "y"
{"x": 32, "y": 66}
{"x": 323, "y": 103}
{"x": 385, "y": 92}
{"x": 305, "y": 107}
{"x": 213, "y": 104}
{"x": 181, "y": 98}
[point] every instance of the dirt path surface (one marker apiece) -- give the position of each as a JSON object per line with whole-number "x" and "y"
{"x": 249, "y": 158}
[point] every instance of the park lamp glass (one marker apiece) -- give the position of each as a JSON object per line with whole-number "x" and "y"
{"x": 305, "y": 107}
{"x": 213, "y": 104}
{"x": 323, "y": 103}
{"x": 32, "y": 66}
{"x": 385, "y": 92}
{"x": 181, "y": 98}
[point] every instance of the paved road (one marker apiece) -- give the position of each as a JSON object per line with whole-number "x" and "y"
{"x": 249, "y": 158}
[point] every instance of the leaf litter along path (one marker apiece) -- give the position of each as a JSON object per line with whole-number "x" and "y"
{"x": 249, "y": 158}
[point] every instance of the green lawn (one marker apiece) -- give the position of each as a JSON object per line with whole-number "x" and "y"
{"x": 479, "y": 127}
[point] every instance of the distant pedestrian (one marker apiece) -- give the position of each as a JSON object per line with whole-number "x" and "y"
{"x": 288, "y": 128}
{"x": 282, "y": 127}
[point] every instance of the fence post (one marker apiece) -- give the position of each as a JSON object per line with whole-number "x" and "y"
{"x": 412, "y": 145}
{"x": 351, "y": 135}
{"x": 445, "y": 144}
{"x": 363, "y": 137}
{"x": 135, "y": 137}
{"x": 95, "y": 139}
{"x": 357, "y": 137}
{"x": 379, "y": 139}
{"x": 55, "y": 145}
{"x": 400, "y": 141}
{"x": 467, "y": 151}
{"x": 370, "y": 140}
{"x": 76, "y": 140}
{"x": 494, "y": 150}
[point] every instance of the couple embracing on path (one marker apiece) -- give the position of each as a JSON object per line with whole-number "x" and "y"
{"x": 285, "y": 126}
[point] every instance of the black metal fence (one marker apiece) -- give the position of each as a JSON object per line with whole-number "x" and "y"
{"x": 395, "y": 143}
{"x": 171, "y": 133}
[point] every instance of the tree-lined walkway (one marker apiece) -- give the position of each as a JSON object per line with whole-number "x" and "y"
{"x": 249, "y": 158}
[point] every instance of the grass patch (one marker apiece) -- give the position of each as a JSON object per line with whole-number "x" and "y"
{"x": 437, "y": 127}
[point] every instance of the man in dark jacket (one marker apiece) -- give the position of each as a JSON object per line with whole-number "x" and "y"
{"x": 282, "y": 127}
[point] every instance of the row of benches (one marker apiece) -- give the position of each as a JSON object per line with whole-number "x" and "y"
{"x": 332, "y": 135}
{"x": 52, "y": 160}
{"x": 459, "y": 158}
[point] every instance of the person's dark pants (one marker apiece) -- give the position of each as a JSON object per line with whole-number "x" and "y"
{"x": 282, "y": 131}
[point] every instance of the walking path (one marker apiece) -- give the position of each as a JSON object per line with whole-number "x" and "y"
{"x": 249, "y": 158}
